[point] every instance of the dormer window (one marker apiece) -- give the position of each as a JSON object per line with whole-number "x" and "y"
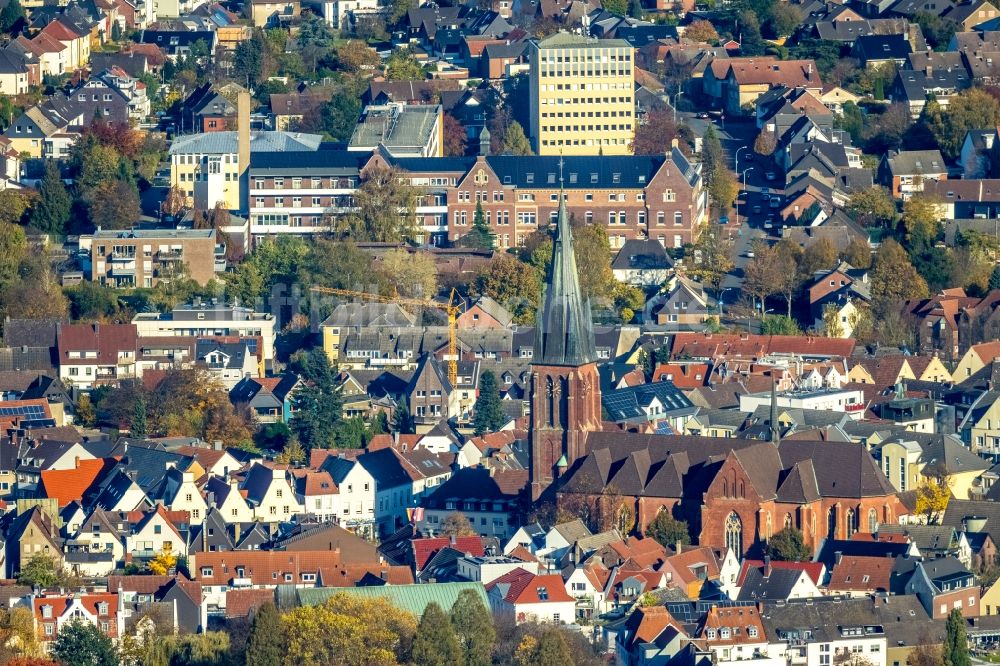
{"x": 724, "y": 633}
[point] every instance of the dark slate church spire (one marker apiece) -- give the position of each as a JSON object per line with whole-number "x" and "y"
{"x": 563, "y": 333}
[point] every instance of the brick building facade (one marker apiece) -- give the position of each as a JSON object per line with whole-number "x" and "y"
{"x": 737, "y": 494}
{"x": 658, "y": 197}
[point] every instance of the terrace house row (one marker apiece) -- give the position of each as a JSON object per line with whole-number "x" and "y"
{"x": 659, "y": 197}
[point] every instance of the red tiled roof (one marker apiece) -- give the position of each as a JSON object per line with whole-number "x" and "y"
{"x": 712, "y": 345}
{"x": 315, "y": 483}
{"x": 240, "y": 603}
{"x": 59, "y": 605}
{"x": 525, "y": 587}
{"x": 60, "y": 32}
{"x": 138, "y": 584}
{"x": 349, "y": 575}
{"x": 262, "y": 567}
{"x": 206, "y": 457}
{"x": 855, "y": 572}
{"x": 523, "y": 554}
{"x": 105, "y": 339}
{"x": 9, "y": 421}
{"x": 648, "y": 623}
{"x": 684, "y": 376}
{"x": 68, "y": 485}
{"x": 425, "y": 549}
{"x": 744, "y": 617}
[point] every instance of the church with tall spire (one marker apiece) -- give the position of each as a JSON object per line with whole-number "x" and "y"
{"x": 565, "y": 391}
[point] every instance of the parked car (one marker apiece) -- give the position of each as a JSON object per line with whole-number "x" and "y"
{"x": 724, "y": 219}
{"x": 770, "y": 175}
{"x": 774, "y": 202}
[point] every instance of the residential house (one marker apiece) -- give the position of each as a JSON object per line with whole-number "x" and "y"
{"x": 270, "y": 494}
{"x": 318, "y": 494}
{"x": 229, "y": 363}
{"x": 907, "y": 172}
{"x": 683, "y": 303}
{"x": 522, "y": 596}
{"x": 52, "y": 612}
{"x": 153, "y": 532}
{"x": 771, "y": 581}
{"x": 490, "y": 499}
{"x": 733, "y": 633}
{"x": 178, "y": 492}
{"x": 96, "y": 354}
{"x": 357, "y": 489}
{"x": 874, "y": 51}
{"x": 32, "y": 532}
{"x": 943, "y": 585}
{"x": 642, "y": 263}
{"x": 269, "y": 399}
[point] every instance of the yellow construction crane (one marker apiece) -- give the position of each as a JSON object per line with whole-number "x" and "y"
{"x": 449, "y": 307}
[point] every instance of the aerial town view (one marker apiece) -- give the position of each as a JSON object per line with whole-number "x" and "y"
{"x": 499, "y": 332}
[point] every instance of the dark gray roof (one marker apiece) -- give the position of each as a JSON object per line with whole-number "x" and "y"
{"x": 819, "y": 620}
{"x": 563, "y": 329}
{"x": 777, "y": 585}
{"x": 642, "y": 254}
{"x": 625, "y": 404}
{"x": 882, "y": 47}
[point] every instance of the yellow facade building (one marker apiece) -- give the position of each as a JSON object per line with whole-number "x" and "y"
{"x": 582, "y": 96}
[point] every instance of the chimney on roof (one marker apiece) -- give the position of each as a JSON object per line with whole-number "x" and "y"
{"x": 217, "y": 445}
{"x": 767, "y": 566}
{"x": 837, "y": 557}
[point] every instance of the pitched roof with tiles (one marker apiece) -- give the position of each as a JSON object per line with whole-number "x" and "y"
{"x": 105, "y": 339}
{"x": 859, "y": 573}
{"x": 684, "y": 376}
{"x": 243, "y": 602}
{"x": 523, "y": 587}
{"x": 646, "y": 624}
{"x": 69, "y": 485}
{"x": 425, "y": 549}
{"x": 713, "y": 345}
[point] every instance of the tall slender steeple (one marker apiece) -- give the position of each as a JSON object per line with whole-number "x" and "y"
{"x": 563, "y": 333}
{"x": 565, "y": 387}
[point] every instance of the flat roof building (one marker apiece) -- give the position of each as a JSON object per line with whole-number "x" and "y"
{"x": 582, "y": 95}
{"x": 404, "y": 130}
{"x": 143, "y": 257}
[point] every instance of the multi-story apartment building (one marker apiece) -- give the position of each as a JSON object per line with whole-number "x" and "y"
{"x": 659, "y": 197}
{"x": 582, "y": 99}
{"x": 205, "y": 167}
{"x": 143, "y": 257}
{"x": 212, "y": 319}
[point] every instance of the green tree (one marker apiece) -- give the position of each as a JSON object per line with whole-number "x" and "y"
{"x": 966, "y": 111}
{"x": 51, "y": 212}
{"x": 937, "y": 31}
{"x": 784, "y": 19}
{"x": 435, "y": 643}
{"x": 858, "y": 253}
{"x": 81, "y": 643}
{"x": 667, "y": 530}
{"x": 873, "y": 207}
{"x": 402, "y": 420}
{"x": 318, "y": 404}
{"x": 11, "y": 15}
{"x": 386, "y": 208}
{"x": 515, "y": 142}
{"x": 480, "y": 236}
{"x": 402, "y": 66}
{"x": 138, "y": 426}
{"x": 712, "y": 256}
{"x": 248, "y": 59}
{"x": 266, "y": 645}
{"x": 779, "y": 325}
{"x": 13, "y": 252}
{"x": 513, "y": 284}
{"x": 488, "y": 413}
{"x": 893, "y": 277}
{"x": 619, "y": 7}
{"x": 551, "y": 649}
{"x": 821, "y": 255}
{"x": 752, "y": 42}
{"x": 956, "y": 642}
{"x": 40, "y": 571}
{"x": 995, "y": 278}
{"x": 832, "y": 326}
{"x": 473, "y": 625}
{"x": 788, "y": 545}
{"x": 702, "y": 31}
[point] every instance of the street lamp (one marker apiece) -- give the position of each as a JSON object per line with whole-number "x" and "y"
{"x": 736, "y": 166}
{"x": 721, "y": 296}
{"x": 744, "y": 176}
{"x": 674, "y": 104}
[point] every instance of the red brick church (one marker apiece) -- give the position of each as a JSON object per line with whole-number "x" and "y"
{"x": 733, "y": 493}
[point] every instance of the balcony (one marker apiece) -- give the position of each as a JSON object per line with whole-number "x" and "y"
{"x": 118, "y": 255}
{"x": 170, "y": 255}
{"x": 854, "y": 407}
